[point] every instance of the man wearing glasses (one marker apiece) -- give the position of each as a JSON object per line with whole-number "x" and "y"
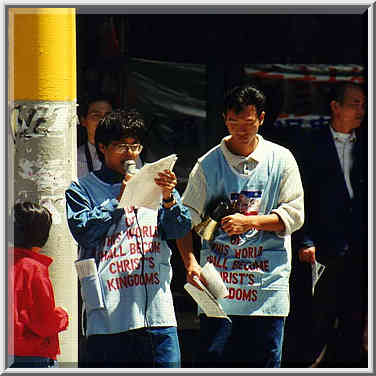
{"x": 130, "y": 315}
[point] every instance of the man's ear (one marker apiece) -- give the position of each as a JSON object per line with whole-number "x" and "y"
{"x": 262, "y": 117}
{"x": 334, "y": 105}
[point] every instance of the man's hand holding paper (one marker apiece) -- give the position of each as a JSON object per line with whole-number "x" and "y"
{"x": 143, "y": 191}
{"x": 167, "y": 182}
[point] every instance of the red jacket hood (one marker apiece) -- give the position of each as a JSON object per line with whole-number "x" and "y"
{"x": 19, "y": 253}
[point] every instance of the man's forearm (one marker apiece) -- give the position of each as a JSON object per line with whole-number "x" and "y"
{"x": 193, "y": 268}
{"x": 185, "y": 246}
{"x": 89, "y": 225}
{"x": 176, "y": 220}
{"x": 269, "y": 222}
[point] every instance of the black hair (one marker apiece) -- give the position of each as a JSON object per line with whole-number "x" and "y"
{"x": 32, "y": 223}
{"x": 83, "y": 108}
{"x": 119, "y": 124}
{"x": 338, "y": 91}
{"x": 240, "y": 97}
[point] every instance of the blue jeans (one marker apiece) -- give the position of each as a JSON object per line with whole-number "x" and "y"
{"x": 147, "y": 347}
{"x": 33, "y": 362}
{"x": 249, "y": 341}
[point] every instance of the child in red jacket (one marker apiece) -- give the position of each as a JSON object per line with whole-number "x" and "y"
{"x": 34, "y": 321}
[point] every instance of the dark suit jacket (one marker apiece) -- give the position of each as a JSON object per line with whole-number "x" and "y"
{"x": 334, "y": 223}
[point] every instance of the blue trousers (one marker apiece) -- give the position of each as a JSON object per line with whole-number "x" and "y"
{"x": 33, "y": 362}
{"x": 247, "y": 341}
{"x": 148, "y": 347}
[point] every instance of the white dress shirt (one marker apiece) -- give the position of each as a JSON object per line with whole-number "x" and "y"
{"x": 82, "y": 166}
{"x": 344, "y": 144}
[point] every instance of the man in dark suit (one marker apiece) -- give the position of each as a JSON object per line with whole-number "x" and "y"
{"x": 333, "y": 170}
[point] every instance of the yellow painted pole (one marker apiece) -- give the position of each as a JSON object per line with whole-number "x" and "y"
{"x": 42, "y": 132}
{"x": 44, "y": 54}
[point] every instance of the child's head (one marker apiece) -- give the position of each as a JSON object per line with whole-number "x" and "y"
{"x": 32, "y": 223}
{"x": 119, "y": 137}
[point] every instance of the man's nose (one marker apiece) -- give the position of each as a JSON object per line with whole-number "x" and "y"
{"x": 126, "y": 152}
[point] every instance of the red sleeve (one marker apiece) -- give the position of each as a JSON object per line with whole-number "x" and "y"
{"x": 44, "y": 318}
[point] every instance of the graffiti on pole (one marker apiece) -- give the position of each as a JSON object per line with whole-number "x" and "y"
{"x": 29, "y": 120}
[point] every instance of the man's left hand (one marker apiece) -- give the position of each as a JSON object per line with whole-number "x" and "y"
{"x": 307, "y": 254}
{"x": 167, "y": 181}
{"x": 236, "y": 224}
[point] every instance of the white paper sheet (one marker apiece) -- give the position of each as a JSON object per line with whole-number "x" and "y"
{"x": 85, "y": 268}
{"x": 141, "y": 190}
{"x": 214, "y": 281}
{"x": 317, "y": 270}
{"x": 207, "y": 297}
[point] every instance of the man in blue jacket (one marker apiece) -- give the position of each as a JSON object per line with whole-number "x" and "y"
{"x": 130, "y": 314}
{"x": 251, "y": 249}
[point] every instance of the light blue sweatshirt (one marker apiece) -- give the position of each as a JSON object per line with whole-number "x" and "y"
{"x": 132, "y": 288}
{"x": 255, "y": 266}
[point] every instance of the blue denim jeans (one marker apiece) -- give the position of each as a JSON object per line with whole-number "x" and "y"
{"x": 247, "y": 341}
{"x": 147, "y": 347}
{"x": 33, "y": 362}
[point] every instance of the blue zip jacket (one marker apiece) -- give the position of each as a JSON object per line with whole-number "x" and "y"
{"x": 131, "y": 289}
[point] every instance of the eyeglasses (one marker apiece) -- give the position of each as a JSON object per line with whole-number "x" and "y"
{"x": 121, "y": 148}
